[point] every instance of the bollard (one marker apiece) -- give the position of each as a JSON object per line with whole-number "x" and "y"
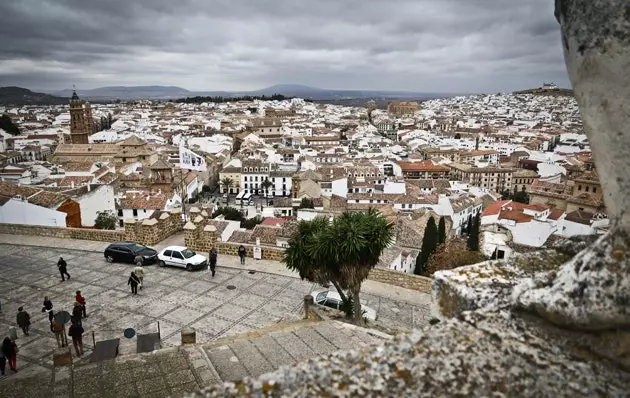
{"x": 189, "y": 336}
{"x": 308, "y": 302}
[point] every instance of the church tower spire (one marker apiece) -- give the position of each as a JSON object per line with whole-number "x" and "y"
{"x": 79, "y": 119}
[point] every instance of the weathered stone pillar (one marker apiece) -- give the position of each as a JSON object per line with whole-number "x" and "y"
{"x": 209, "y": 237}
{"x": 131, "y": 230}
{"x": 150, "y": 231}
{"x": 592, "y": 291}
{"x": 190, "y": 234}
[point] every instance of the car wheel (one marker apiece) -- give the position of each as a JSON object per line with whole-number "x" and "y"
{"x": 189, "y": 267}
{"x": 109, "y": 259}
{"x": 161, "y": 263}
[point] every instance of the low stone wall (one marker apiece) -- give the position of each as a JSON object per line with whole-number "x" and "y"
{"x": 146, "y": 232}
{"x": 401, "y": 279}
{"x": 62, "y": 232}
{"x": 267, "y": 252}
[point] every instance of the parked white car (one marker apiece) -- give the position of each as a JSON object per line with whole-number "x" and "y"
{"x": 183, "y": 257}
{"x": 333, "y": 300}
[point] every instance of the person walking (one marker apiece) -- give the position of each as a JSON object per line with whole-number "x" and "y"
{"x": 63, "y": 269}
{"x": 138, "y": 260}
{"x": 241, "y": 254}
{"x": 76, "y": 332}
{"x": 10, "y": 350}
{"x": 81, "y": 300}
{"x": 133, "y": 282}
{"x": 139, "y": 271}
{"x": 212, "y": 259}
{"x": 57, "y": 329}
{"x": 77, "y": 312}
{"x": 48, "y": 307}
{"x": 23, "y": 320}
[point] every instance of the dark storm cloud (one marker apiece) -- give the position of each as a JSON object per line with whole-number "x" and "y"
{"x": 423, "y": 45}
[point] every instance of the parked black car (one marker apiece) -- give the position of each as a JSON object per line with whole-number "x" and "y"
{"x": 126, "y": 252}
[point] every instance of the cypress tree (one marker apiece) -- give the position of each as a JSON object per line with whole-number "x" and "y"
{"x": 473, "y": 237}
{"x": 468, "y": 225}
{"x": 429, "y": 244}
{"x": 441, "y": 231}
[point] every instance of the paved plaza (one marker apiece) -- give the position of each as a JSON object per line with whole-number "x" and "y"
{"x": 235, "y": 301}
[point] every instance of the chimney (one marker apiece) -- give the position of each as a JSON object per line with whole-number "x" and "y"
{"x": 72, "y": 184}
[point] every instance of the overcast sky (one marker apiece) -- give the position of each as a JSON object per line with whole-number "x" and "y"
{"x": 418, "y": 45}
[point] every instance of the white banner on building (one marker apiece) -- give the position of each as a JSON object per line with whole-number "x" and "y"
{"x": 190, "y": 160}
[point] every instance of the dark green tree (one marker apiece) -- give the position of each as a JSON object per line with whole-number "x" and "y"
{"x": 306, "y": 203}
{"x": 105, "y": 220}
{"x": 473, "y": 236}
{"x": 521, "y": 196}
{"x": 441, "y": 231}
{"x": 468, "y": 225}
{"x": 7, "y": 125}
{"x": 342, "y": 251}
{"x": 429, "y": 244}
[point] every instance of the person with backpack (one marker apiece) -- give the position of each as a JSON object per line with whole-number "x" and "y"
{"x": 139, "y": 271}
{"x": 57, "y": 328}
{"x": 241, "y": 254}
{"x": 63, "y": 269}
{"x": 212, "y": 258}
{"x": 76, "y": 332}
{"x": 23, "y": 320}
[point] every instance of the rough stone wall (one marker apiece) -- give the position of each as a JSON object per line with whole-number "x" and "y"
{"x": 401, "y": 279}
{"x": 147, "y": 232}
{"x": 62, "y": 232}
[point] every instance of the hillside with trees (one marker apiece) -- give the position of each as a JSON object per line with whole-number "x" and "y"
{"x": 22, "y": 96}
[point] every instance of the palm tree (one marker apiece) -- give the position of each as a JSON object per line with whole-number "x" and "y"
{"x": 266, "y": 185}
{"x": 227, "y": 183}
{"x": 342, "y": 252}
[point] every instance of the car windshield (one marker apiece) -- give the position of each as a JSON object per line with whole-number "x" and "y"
{"x": 187, "y": 253}
{"x": 136, "y": 248}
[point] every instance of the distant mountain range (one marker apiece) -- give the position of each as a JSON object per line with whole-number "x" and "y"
{"x": 289, "y": 90}
{"x": 23, "y": 96}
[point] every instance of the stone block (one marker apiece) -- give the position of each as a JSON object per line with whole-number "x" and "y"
{"x": 189, "y": 336}
{"x": 164, "y": 216}
{"x": 149, "y": 221}
{"x": 62, "y": 357}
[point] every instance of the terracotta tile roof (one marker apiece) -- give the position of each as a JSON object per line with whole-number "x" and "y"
{"x": 425, "y": 165}
{"x": 219, "y": 225}
{"x": 87, "y": 149}
{"x": 133, "y": 140}
{"x": 494, "y": 208}
{"x": 70, "y": 181}
{"x": 154, "y": 201}
{"x": 37, "y": 196}
{"x": 273, "y": 222}
{"x": 267, "y": 235}
{"x": 101, "y": 170}
{"x": 580, "y": 217}
{"x": 515, "y": 215}
{"x": 556, "y": 214}
{"x": 240, "y": 236}
{"x": 77, "y": 166}
{"x": 108, "y": 178}
{"x": 338, "y": 203}
{"x": 288, "y": 229}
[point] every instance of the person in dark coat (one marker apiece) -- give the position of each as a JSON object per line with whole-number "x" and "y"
{"x": 76, "y": 332}
{"x": 241, "y": 254}
{"x": 212, "y": 258}
{"x": 23, "y": 320}
{"x": 133, "y": 282}
{"x": 9, "y": 349}
{"x": 63, "y": 269}
{"x": 77, "y": 312}
{"x": 48, "y": 306}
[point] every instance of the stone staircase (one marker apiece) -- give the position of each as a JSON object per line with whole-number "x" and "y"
{"x": 175, "y": 371}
